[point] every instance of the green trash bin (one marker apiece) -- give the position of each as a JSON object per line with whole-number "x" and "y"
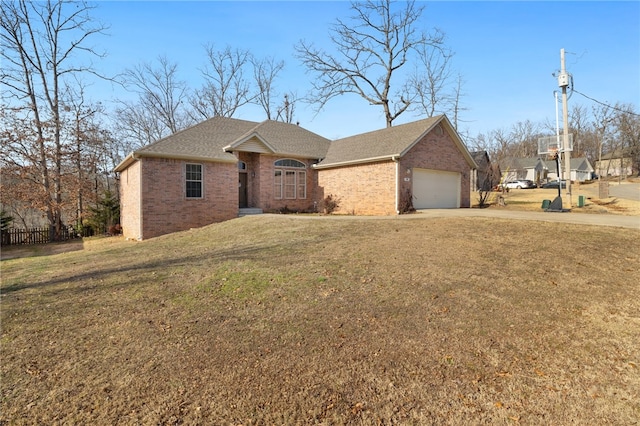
{"x": 545, "y": 204}
{"x": 581, "y": 201}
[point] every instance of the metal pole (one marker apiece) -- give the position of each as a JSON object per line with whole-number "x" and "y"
{"x": 565, "y": 130}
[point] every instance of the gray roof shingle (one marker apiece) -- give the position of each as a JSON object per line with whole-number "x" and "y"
{"x": 285, "y": 139}
{"x": 214, "y": 139}
{"x": 379, "y": 144}
{"x": 205, "y": 140}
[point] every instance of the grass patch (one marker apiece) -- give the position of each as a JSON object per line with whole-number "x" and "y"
{"x": 344, "y": 321}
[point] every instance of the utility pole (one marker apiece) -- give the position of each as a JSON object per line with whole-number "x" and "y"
{"x": 563, "y": 82}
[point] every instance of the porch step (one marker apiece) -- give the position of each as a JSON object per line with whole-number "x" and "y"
{"x": 248, "y": 211}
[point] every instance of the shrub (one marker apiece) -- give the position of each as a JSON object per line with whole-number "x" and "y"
{"x": 330, "y": 204}
{"x": 106, "y": 214}
{"x": 406, "y": 202}
{"x": 5, "y": 220}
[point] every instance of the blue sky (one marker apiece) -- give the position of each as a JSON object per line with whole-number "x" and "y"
{"x": 505, "y": 51}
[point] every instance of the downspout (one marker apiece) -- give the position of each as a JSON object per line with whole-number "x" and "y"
{"x": 395, "y": 159}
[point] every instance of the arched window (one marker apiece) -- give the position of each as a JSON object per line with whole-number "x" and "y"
{"x": 289, "y": 162}
{"x": 242, "y": 165}
{"x": 290, "y": 182}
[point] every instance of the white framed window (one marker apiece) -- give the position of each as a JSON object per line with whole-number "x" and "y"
{"x": 302, "y": 184}
{"x": 277, "y": 184}
{"x": 193, "y": 180}
{"x": 289, "y": 181}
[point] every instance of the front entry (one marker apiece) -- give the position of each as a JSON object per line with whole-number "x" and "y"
{"x": 242, "y": 188}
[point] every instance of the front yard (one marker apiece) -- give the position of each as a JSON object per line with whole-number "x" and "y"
{"x": 318, "y": 320}
{"x": 531, "y": 200}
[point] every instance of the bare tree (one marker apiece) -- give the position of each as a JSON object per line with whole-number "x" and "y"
{"x": 524, "y": 139}
{"x": 83, "y": 177}
{"x": 457, "y": 106}
{"x": 628, "y": 126}
{"x": 602, "y": 119}
{"x": 226, "y": 88}
{"x": 40, "y": 42}
{"x": 160, "y": 109}
{"x": 137, "y": 126}
{"x": 265, "y": 72}
{"x": 438, "y": 89}
{"x": 286, "y": 110}
{"x": 579, "y": 127}
{"x": 372, "y": 48}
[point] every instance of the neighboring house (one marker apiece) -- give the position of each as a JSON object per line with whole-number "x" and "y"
{"x": 531, "y": 168}
{"x": 616, "y": 163}
{"x": 539, "y": 170}
{"x": 487, "y": 175}
{"x": 581, "y": 169}
{"x": 210, "y": 172}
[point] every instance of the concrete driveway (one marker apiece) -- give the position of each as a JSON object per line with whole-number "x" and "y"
{"x": 632, "y": 222}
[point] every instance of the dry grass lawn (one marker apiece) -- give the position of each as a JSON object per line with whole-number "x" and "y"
{"x": 274, "y": 320}
{"x": 531, "y": 199}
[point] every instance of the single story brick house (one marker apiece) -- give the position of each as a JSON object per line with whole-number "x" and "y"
{"x": 214, "y": 170}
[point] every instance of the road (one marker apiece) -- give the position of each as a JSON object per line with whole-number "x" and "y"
{"x": 629, "y": 191}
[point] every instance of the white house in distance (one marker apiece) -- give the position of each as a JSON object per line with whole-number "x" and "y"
{"x": 539, "y": 170}
{"x": 616, "y": 163}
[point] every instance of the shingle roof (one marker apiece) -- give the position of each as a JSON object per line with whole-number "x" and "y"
{"x": 216, "y": 138}
{"x": 284, "y": 139}
{"x": 212, "y": 139}
{"x": 204, "y": 141}
{"x": 382, "y": 144}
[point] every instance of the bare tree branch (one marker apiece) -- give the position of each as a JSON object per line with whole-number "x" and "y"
{"x": 225, "y": 88}
{"x": 39, "y": 43}
{"x": 372, "y": 48}
{"x": 265, "y": 72}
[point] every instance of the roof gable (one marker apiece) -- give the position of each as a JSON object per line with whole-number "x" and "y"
{"x": 251, "y": 143}
{"x": 217, "y": 138}
{"x": 202, "y": 142}
{"x": 387, "y": 143}
{"x": 581, "y": 163}
{"x": 282, "y": 139}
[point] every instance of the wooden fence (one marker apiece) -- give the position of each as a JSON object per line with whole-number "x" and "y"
{"x": 14, "y": 236}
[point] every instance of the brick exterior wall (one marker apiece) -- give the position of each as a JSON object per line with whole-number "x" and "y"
{"x": 261, "y": 192}
{"x": 363, "y": 189}
{"x": 153, "y": 200}
{"x": 164, "y": 205}
{"x": 437, "y": 151}
{"x": 130, "y": 219}
{"x": 369, "y": 189}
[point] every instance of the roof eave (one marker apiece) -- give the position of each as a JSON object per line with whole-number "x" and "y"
{"x": 354, "y": 162}
{"x": 126, "y": 162}
{"x": 136, "y": 155}
{"x": 458, "y": 141}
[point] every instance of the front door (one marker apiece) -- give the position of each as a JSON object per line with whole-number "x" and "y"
{"x": 242, "y": 188}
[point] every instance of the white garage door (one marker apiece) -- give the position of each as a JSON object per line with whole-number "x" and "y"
{"x": 435, "y": 189}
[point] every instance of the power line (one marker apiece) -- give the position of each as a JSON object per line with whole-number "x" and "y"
{"x": 605, "y": 104}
